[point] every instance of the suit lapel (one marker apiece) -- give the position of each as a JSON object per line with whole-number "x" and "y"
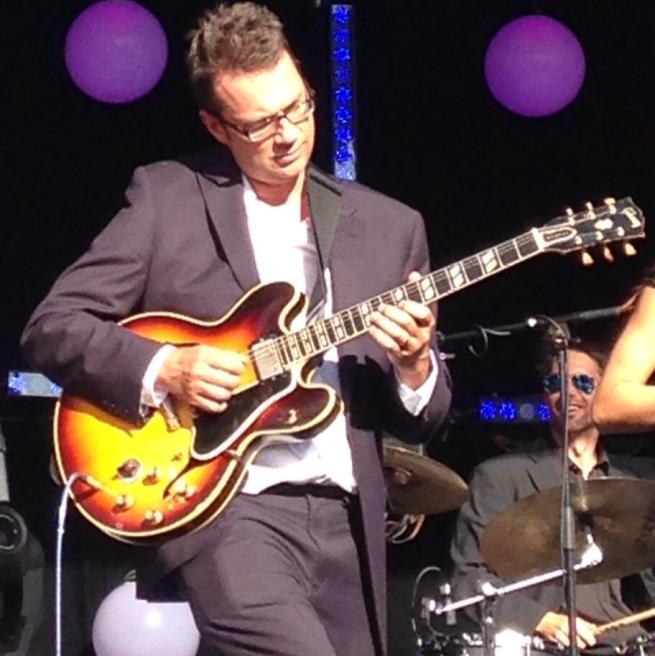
{"x": 542, "y": 471}
{"x": 348, "y": 261}
{"x": 325, "y": 204}
{"x": 226, "y": 213}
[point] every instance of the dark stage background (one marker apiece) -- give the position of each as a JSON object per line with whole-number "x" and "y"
{"x": 429, "y": 133}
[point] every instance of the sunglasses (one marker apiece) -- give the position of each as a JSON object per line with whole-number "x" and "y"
{"x": 583, "y": 382}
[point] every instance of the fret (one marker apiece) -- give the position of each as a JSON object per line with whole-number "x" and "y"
{"x": 473, "y": 268}
{"x": 285, "y": 348}
{"x": 313, "y": 335}
{"x": 441, "y": 282}
{"x": 322, "y": 334}
{"x": 387, "y": 298}
{"x": 339, "y": 328}
{"x": 294, "y": 347}
{"x": 278, "y": 345}
{"x": 305, "y": 342}
{"x": 428, "y": 289}
{"x": 489, "y": 260}
{"x": 301, "y": 344}
{"x": 358, "y": 321}
{"x": 329, "y": 329}
{"x": 457, "y": 275}
{"x": 413, "y": 291}
{"x": 398, "y": 295}
{"x": 376, "y": 302}
{"x": 347, "y": 323}
{"x": 508, "y": 252}
{"x": 366, "y": 312}
{"x": 527, "y": 245}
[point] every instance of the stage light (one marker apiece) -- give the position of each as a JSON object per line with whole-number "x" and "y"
{"x": 343, "y": 92}
{"x": 534, "y": 66}
{"x": 519, "y": 410}
{"x": 116, "y": 51}
{"x": 31, "y": 383}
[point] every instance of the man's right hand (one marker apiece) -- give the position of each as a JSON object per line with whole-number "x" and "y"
{"x": 203, "y": 376}
{"x": 555, "y": 628}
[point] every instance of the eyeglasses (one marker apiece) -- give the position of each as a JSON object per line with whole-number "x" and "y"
{"x": 264, "y": 128}
{"x": 585, "y": 383}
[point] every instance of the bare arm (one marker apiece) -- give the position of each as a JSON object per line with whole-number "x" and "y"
{"x": 625, "y": 402}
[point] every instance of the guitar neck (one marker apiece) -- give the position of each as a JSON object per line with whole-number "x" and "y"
{"x": 354, "y": 321}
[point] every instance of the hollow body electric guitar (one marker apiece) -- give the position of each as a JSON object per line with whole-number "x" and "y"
{"x": 180, "y": 469}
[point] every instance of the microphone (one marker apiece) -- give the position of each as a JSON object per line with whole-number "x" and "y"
{"x": 557, "y": 329}
{"x": 537, "y": 321}
{"x": 533, "y": 322}
{"x": 542, "y": 321}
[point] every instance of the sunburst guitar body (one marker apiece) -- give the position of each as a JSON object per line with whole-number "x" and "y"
{"x": 179, "y": 469}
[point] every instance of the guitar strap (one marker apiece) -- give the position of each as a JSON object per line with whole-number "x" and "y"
{"x": 324, "y": 194}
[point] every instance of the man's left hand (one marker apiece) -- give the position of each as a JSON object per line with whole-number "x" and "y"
{"x": 404, "y": 332}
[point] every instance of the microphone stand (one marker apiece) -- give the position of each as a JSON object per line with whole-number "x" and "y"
{"x": 530, "y": 323}
{"x": 560, "y": 343}
{"x": 590, "y": 557}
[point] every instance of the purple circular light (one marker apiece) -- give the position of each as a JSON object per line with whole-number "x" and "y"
{"x": 534, "y": 66}
{"x": 116, "y": 51}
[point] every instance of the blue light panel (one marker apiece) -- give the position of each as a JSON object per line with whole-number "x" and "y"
{"x": 508, "y": 410}
{"x": 526, "y": 409}
{"x": 343, "y": 92}
{"x": 29, "y": 383}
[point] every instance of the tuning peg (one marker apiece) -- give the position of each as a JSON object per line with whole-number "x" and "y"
{"x": 607, "y": 254}
{"x": 611, "y": 204}
{"x": 569, "y": 215}
{"x": 629, "y": 249}
{"x": 590, "y": 208}
{"x": 587, "y": 260}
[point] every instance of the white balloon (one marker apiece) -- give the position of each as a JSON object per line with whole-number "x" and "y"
{"x": 127, "y": 626}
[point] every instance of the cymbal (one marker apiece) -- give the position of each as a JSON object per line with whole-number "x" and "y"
{"x": 419, "y": 485}
{"x": 524, "y": 539}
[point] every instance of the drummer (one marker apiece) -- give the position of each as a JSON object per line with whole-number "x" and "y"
{"x": 500, "y": 482}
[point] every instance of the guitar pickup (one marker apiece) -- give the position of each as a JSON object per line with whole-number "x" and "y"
{"x": 266, "y": 360}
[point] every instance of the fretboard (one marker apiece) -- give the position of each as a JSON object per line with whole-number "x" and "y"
{"x": 354, "y": 321}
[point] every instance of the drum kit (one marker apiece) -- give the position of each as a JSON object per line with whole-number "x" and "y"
{"x": 619, "y": 513}
{"x": 417, "y": 486}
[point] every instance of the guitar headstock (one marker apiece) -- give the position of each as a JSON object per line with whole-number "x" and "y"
{"x": 611, "y": 222}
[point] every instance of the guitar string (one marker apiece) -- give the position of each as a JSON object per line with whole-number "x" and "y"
{"x": 276, "y": 346}
{"x": 513, "y": 246}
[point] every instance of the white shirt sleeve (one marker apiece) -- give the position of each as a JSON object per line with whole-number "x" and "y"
{"x": 151, "y": 396}
{"x": 415, "y": 400}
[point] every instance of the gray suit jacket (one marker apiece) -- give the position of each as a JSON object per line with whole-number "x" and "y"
{"x": 499, "y": 483}
{"x": 180, "y": 243}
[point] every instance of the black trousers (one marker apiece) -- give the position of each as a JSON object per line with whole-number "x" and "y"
{"x": 284, "y": 577}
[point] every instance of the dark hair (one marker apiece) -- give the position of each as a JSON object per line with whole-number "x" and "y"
{"x": 241, "y": 37}
{"x": 597, "y": 351}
